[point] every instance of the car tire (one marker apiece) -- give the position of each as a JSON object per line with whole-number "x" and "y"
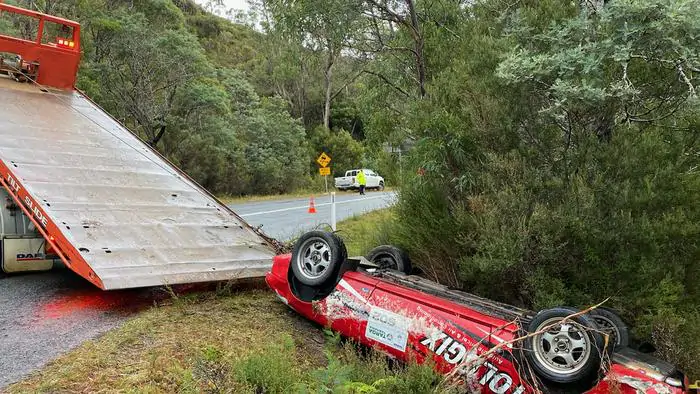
{"x": 566, "y": 353}
{"x": 381, "y": 186}
{"x": 611, "y": 324}
{"x": 317, "y": 257}
{"x": 390, "y": 257}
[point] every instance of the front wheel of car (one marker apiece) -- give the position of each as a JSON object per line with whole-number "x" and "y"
{"x": 381, "y": 186}
{"x": 563, "y": 349}
{"x": 317, "y": 257}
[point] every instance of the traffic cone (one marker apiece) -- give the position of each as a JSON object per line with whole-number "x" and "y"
{"x": 312, "y": 207}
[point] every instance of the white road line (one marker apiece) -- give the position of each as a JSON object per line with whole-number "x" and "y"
{"x": 306, "y": 206}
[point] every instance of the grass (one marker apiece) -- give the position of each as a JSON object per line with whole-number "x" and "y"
{"x": 172, "y": 347}
{"x": 275, "y": 197}
{"x": 243, "y": 341}
{"x": 362, "y": 233}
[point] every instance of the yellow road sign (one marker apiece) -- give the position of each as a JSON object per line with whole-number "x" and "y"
{"x": 324, "y": 171}
{"x": 323, "y": 160}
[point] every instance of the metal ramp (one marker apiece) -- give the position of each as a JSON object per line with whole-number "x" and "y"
{"x": 116, "y": 212}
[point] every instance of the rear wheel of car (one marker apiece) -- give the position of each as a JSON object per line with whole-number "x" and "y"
{"x": 390, "y": 257}
{"x": 564, "y": 350}
{"x": 317, "y": 257}
{"x": 611, "y": 324}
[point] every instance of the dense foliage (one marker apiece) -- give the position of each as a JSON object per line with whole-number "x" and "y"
{"x": 560, "y": 155}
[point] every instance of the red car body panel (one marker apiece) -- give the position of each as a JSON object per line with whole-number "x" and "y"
{"x": 409, "y": 324}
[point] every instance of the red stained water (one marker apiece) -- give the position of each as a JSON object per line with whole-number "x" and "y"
{"x": 88, "y": 301}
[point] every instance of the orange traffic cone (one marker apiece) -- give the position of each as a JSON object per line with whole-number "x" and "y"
{"x": 312, "y": 207}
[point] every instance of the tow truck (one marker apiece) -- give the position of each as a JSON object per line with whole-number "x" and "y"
{"x": 79, "y": 187}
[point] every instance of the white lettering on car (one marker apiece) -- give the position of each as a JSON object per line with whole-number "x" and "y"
{"x": 454, "y": 352}
{"x": 434, "y": 338}
{"x": 445, "y": 343}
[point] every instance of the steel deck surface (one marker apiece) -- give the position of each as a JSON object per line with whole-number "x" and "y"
{"x": 136, "y": 219}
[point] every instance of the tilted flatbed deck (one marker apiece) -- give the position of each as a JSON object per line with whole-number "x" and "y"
{"x": 120, "y": 215}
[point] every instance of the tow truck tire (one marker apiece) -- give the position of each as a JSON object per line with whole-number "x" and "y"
{"x": 565, "y": 353}
{"x": 390, "y": 257}
{"x": 610, "y": 323}
{"x": 317, "y": 257}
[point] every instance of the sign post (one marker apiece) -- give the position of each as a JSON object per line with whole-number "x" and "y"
{"x": 333, "y": 224}
{"x": 323, "y": 161}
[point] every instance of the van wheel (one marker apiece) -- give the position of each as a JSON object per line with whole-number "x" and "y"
{"x": 611, "y": 324}
{"x": 381, "y": 186}
{"x": 390, "y": 257}
{"x": 317, "y": 257}
{"x": 567, "y": 350}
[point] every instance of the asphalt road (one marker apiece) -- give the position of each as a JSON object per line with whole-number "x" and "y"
{"x": 44, "y": 315}
{"x": 287, "y": 219}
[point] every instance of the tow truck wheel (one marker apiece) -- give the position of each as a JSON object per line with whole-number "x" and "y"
{"x": 390, "y": 257}
{"x": 611, "y": 324}
{"x": 564, "y": 350}
{"x": 317, "y": 257}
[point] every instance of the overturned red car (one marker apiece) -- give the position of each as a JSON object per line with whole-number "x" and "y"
{"x": 488, "y": 346}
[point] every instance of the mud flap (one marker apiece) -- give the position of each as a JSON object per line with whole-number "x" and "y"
{"x": 24, "y": 255}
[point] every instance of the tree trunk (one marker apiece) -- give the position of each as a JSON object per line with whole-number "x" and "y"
{"x": 328, "y": 73}
{"x": 157, "y": 137}
{"x": 418, "y": 46}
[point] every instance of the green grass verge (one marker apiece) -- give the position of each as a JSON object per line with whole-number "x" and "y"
{"x": 229, "y": 342}
{"x": 276, "y": 197}
{"x": 362, "y": 233}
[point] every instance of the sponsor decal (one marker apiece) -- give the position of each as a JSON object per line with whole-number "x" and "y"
{"x": 387, "y": 328}
{"x": 454, "y": 352}
{"x": 340, "y": 304}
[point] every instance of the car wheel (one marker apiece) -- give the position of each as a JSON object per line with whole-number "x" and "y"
{"x": 611, "y": 324}
{"x": 317, "y": 257}
{"x": 565, "y": 351}
{"x": 381, "y": 186}
{"x": 390, "y": 257}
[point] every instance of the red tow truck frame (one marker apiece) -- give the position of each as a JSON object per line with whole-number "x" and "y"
{"x": 58, "y": 62}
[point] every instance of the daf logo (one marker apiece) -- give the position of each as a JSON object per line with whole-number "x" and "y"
{"x": 30, "y": 256}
